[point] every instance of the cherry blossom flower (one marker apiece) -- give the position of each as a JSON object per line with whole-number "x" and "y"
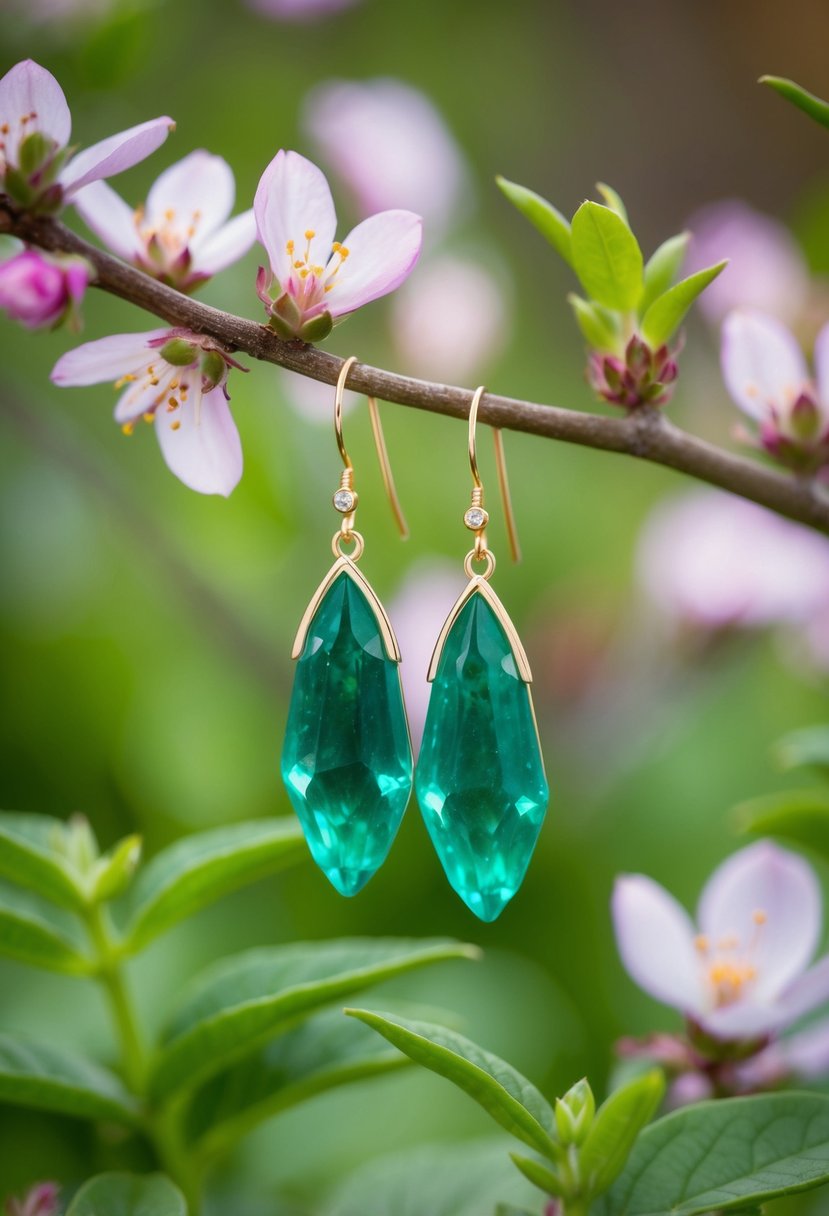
{"x": 765, "y": 270}
{"x": 313, "y": 279}
{"x": 182, "y": 234}
{"x": 766, "y": 374}
{"x": 41, "y": 1200}
{"x": 641, "y": 376}
{"x": 742, "y": 973}
{"x": 177, "y": 381}
{"x": 37, "y": 167}
{"x": 38, "y": 290}
{"x": 360, "y": 125}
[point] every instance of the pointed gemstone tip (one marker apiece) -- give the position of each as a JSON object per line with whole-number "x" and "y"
{"x": 347, "y": 759}
{"x": 480, "y": 776}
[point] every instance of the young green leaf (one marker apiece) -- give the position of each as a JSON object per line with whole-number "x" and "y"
{"x": 47, "y": 1077}
{"x": 724, "y": 1156}
{"x": 806, "y": 748}
{"x": 801, "y": 816}
{"x": 595, "y": 324}
{"x": 30, "y": 938}
{"x": 613, "y": 199}
{"x": 539, "y": 1175}
{"x": 127, "y": 1195}
{"x": 323, "y": 1053}
{"x": 616, "y": 1125}
{"x": 667, "y": 311}
{"x": 606, "y": 257}
{"x": 543, "y": 215}
{"x": 200, "y": 869}
{"x": 241, "y": 1003}
{"x": 814, "y": 106}
{"x": 662, "y": 267}
{"x": 30, "y": 857}
{"x": 112, "y": 873}
{"x": 510, "y": 1099}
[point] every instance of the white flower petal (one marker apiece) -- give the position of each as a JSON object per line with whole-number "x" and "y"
{"x": 204, "y": 451}
{"x": 105, "y": 359}
{"x": 807, "y": 992}
{"x": 28, "y": 89}
{"x": 109, "y": 217}
{"x": 115, "y": 154}
{"x": 822, "y": 372}
{"x": 764, "y": 881}
{"x": 142, "y": 396}
{"x": 762, "y": 364}
{"x": 382, "y": 251}
{"x": 743, "y": 1020}
{"x": 199, "y": 190}
{"x": 225, "y": 246}
{"x": 655, "y": 937}
{"x": 293, "y": 197}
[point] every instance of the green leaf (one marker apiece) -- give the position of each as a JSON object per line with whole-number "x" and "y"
{"x": 614, "y": 200}
{"x": 30, "y": 856}
{"x": 29, "y": 934}
{"x": 617, "y": 1124}
{"x": 594, "y": 324}
{"x": 543, "y": 215}
{"x": 47, "y": 1077}
{"x": 198, "y": 870}
{"x": 507, "y": 1209}
{"x": 662, "y": 267}
{"x": 241, "y": 1003}
{"x": 539, "y": 1175}
{"x": 726, "y": 1156}
{"x": 668, "y": 310}
{"x": 112, "y": 873}
{"x": 510, "y": 1099}
{"x": 607, "y": 257}
{"x": 126, "y": 1195}
{"x": 807, "y": 748}
{"x": 814, "y": 106}
{"x": 801, "y": 816}
{"x": 323, "y": 1053}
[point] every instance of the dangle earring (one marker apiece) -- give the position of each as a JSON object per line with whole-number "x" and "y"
{"x": 347, "y": 758}
{"x": 480, "y": 776}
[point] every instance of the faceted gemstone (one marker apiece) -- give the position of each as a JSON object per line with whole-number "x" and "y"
{"x": 347, "y": 759}
{"x": 480, "y": 777}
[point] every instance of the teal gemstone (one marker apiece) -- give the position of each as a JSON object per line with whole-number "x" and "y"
{"x": 480, "y": 776}
{"x": 347, "y": 759}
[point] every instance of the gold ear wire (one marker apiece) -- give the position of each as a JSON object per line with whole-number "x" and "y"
{"x": 347, "y": 482}
{"x": 478, "y": 487}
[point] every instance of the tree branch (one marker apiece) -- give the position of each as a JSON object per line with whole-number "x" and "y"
{"x": 645, "y": 434}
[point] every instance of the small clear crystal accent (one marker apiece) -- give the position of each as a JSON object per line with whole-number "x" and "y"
{"x": 344, "y": 501}
{"x": 475, "y": 518}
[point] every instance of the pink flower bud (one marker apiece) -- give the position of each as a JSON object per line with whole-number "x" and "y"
{"x": 39, "y": 291}
{"x": 641, "y": 377}
{"x": 42, "y": 1200}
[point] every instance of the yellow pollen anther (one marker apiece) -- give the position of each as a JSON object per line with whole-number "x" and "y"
{"x": 174, "y": 382}
{"x": 343, "y": 252}
{"x": 701, "y": 943}
{"x": 309, "y": 234}
{"x": 128, "y": 379}
{"x": 303, "y": 274}
{"x": 149, "y": 416}
{"x": 172, "y": 404}
{"x": 5, "y": 128}
{"x": 759, "y": 917}
{"x": 336, "y": 247}
{"x": 169, "y": 215}
{"x": 328, "y": 287}
{"x": 289, "y": 248}
{"x": 128, "y": 428}
{"x": 174, "y": 426}
{"x": 153, "y": 381}
{"x": 298, "y": 265}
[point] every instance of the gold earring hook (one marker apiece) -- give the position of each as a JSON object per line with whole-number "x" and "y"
{"x": 503, "y": 480}
{"x": 379, "y": 443}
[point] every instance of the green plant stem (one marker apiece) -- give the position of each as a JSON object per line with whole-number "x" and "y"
{"x": 576, "y": 1207}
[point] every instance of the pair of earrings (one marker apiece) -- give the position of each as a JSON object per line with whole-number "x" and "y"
{"x": 347, "y": 760}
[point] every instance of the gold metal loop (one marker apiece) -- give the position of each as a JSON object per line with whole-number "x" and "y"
{"x": 503, "y": 480}
{"x": 347, "y": 481}
{"x": 346, "y": 538}
{"x": 484, "y": 556}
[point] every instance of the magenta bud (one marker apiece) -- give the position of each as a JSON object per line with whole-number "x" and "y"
{"x": 38, "y": 290}
{"x": 805, "y": 418}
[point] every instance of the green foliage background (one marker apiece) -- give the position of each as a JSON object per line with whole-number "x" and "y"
{"x": 146, "y": 630}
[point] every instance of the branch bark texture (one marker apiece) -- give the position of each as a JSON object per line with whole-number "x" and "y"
{"x": 646, "y": 434}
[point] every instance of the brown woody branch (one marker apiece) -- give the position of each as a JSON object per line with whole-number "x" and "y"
{"x": 645, "y": 434}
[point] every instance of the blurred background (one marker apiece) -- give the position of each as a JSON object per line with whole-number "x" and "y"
{"x": 146, "y": 630}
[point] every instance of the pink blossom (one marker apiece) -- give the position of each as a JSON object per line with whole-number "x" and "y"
{"x": 713, "y": 561}
{"x": 313, "y": 279}
{"x": 766, "y": 374}
{"x": 742, "y": 972}
{"x": 41, "y": 1200}
{"x": 177, "y": 381}
{"x": 765, "y": 270}
{"x": 298, "y": 10}
{"x": 390, "y": 146}
{"x": 37, "y": 167}
{"x": 641, "y": 376}
{"x": 38, "y": 290}
{"x": 450, "y": 319}
{"x": 183, "y": 234}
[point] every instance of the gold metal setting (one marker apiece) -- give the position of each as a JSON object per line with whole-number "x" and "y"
{"x": 345, "y": 565}
{"x": 478, "y": 585}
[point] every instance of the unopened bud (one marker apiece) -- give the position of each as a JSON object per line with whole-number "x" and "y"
{"x": 35, "y": 151}
{"x": 805, "y": 418}
{"x": 81, "y": 845}
{"x": 178, "y": 352}
{"x": 213, "y": 369}
{"x": 113, "y": 872}
{"x": 574, "y": 1113}
{"x": 317, "y": 328}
